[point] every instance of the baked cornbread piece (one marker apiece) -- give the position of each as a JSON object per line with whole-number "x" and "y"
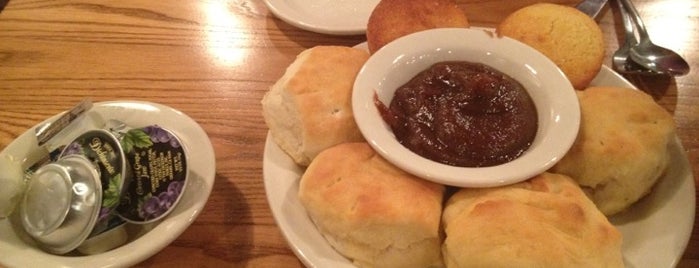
{"x": 565, "y": 35}
{"x": 392, "y": 19}
{"x": 372, "y": 212}
{"x": 622, "y": 147}
{"x": 546, "y": 221}
{"x": 309, "y": 108}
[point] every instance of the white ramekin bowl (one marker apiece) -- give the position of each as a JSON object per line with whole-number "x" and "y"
{"x": 396, "y": 63}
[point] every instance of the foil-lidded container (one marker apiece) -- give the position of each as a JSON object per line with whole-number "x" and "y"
{"x": 61, "y": 204}
{"x": 159, "y": 165}
{"x": 104, "y": 149}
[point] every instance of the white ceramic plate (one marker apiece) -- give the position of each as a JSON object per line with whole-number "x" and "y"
{"x": 656, "y": 230}
{"x": 18, "y": 250}
{"x": 337, "y": 17}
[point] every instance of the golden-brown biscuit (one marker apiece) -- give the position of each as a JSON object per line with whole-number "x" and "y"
{"x": 309, "y": 108}
{"x": 565, "y": 35}
{"x": 372, "y": 212}
{"x": 546, "y": 221}
{"x": 622, "y": 147}
{"x": 392, "y": 19}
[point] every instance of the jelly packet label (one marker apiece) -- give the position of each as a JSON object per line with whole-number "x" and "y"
{"x": 105, "y": 152}
{"x": 159, "y": 169}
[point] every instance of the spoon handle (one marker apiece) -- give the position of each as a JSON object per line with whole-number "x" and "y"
{"x": 626, "y": 19}
{"x": 621, "y": 62}
{"x": 591, "y": 7}
{"x": 640, "y": 27}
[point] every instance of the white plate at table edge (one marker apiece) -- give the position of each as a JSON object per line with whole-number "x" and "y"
{"x": 327, "y": 17}
{"x": 17, "y": 249}
{"x": 648, "y": 242}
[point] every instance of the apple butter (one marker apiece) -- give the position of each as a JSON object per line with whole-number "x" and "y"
{"x": 462, "y": 114}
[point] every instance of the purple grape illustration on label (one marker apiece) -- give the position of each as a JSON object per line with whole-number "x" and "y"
{"x": 73, "y": 148}
{"x": 160, "y": 135}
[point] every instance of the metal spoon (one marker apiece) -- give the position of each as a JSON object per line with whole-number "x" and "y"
{"x": 649, "y": 55}
{"x": 620, "y": 60}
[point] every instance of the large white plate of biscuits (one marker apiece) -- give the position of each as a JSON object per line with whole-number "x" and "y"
{"x": 622, "y": 196}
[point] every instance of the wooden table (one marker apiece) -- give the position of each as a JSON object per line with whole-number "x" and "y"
{"x": 214, "y": 60}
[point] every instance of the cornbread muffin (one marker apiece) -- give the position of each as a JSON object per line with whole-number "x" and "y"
{"x": 309, "y": 108}
{"x": 372, "y": 212}
{"x": 622, "y": 147}
{"x": 546, "y": 221}
{"x": 392, "y": 19}
{"x": 565, "y": 35}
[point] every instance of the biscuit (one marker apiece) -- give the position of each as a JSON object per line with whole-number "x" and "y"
{"x": 372, "y": 212}
{"x": 309, "y": 108}
{"x": 622, "y": 147}
{"x": 392, "y": 19}
{"x": 571, "y": 39}
{"x": 546, "y": 221}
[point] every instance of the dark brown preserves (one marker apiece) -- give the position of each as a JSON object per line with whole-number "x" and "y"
{"x": 463, "y": 114}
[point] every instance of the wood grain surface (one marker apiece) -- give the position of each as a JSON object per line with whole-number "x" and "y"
{"x": 214, "y": 60}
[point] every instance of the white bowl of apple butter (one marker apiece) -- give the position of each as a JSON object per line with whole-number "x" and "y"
{"x": 465, "y": 107}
